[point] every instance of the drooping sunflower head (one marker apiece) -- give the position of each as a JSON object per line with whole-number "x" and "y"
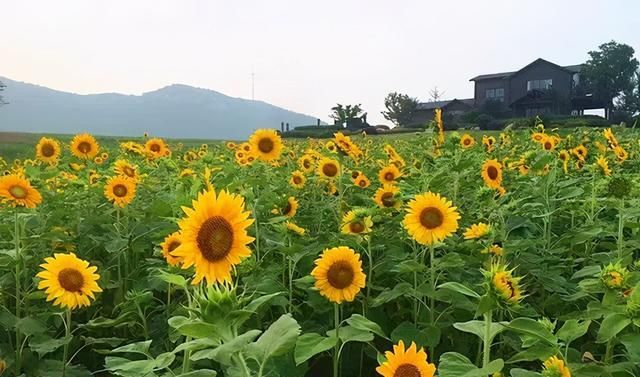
{"x": 476, "y": 231}
{"x": 430, "y": 218}
{"x": 603, "y": 164}
{"x": 120, "y": 190}
{"x": 48, "y": 150}
{"x": 621, "y": 154}
{"x": 411, "y": 362}
{"x": 18, "y": 192}
{"x": 492, "y": 173}
{"x": 84, "y": 146}
{"x": 156, "y": 148}
{"x": 170, "y": 243}
{"x": 362, "y": 181}
{"x": 564, "y": 156}
{"x": 389, "y": 174}
{"x": 127, "y": 169}
{"x": 295, "y": 228}
{"x": 68, "y": 281}
{"x": 356, "y": 222}
{"x": 338, "y": 274}
{"x": 504, "y": 285}
{"x": 387, "y": 196}
{"x": 214, "y": 236}
{"x": 580, "y": 152}
{"x": 266, "y": 144}
{"x": 467, "y": 141}
{"x": 555, "y": 367}
{"x": 328, "y": 168}
{"x": 290, "y": 208}
{"x": 297, "y": 179}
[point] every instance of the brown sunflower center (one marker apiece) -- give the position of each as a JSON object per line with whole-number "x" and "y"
{"x": 431, "y": 217}
{"x": 215, "y": 238}
{"x": 389, "y": 176}
{"x": 466, "y": 141}
{"x": 71, "y": 280}
{"x": 330, "y": 170}
{"x": 155, "y": 148}
{"x": 362, "y": 183}
{"x": 355, "y": 174}
{"x": 120, "y": 190}
{"x": 18, "y": 192}
{"x": 388, "y": 200}
{"x": 340, "y": 275}
{"x": 492, "y": 172}
{"x": 407, "y": 370}
{"x": 84, "y": 147}
{"x": 297, "y": 180}
{"x": 548, "y": 145}
{"x": 47, "y": 150}
{"x": 173, "y": 245}
{"x": 306, "y": 164}
{"x": 287, "y": 209}
{"x": 129, "y": 171}
{"x": 356, "y": 227}
{"x": 265, "y": 145}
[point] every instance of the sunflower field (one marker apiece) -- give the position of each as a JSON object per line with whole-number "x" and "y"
{"x": 442, "y": 254}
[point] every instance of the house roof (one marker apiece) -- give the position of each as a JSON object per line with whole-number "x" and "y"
{"x": 576, "y": 68}
{"x": 442, "y": 104}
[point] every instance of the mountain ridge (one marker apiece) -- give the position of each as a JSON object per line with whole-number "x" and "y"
{"x": 175, "y": 111}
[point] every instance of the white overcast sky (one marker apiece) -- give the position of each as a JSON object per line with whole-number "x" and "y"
{"x": 306, "y": 55}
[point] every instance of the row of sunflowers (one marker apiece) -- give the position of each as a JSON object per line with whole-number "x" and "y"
{"x": 441, "y": 254}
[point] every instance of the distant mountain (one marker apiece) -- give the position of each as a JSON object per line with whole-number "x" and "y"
{"x": 177, "y": 111}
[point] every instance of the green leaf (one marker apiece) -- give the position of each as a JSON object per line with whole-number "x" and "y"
{"x": 174, "y": 279}
{"x": 30, "y": 326}
{"x": 517, "y": 372}
{"x": 164, "y": 360}
{"x": 199, "y": 373}
{"x": 572, "y": 330}
{"x": 127, "y": 368}
{"x": 224, "y": 352}
{"x": 478, "y": 328}
{"x": 407, "y": 332}
{"x": 279, "y": 338}
{"x": 140, "y": 347}
{"x": 399, "y": 290}
{"x": 453, "y": 364}
{"x": 532, "y": 328}
{"x": 193, "y": 328}
{"x": 589, "y": 271}
{"x": 352, "y": 334}
{"x": 255, "y": 304}
{"x": 611, "y": 326}
{"x": 43, "y": 344}
{"x": 538, "y": 351}
{"x": 462, "y": 289}
{"x": 362, "y": 323}
{"x": 632, "y": 343}
{"x": 311, "y": 344}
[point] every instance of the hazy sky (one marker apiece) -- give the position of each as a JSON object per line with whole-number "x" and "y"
{"x": 306, "y": 55}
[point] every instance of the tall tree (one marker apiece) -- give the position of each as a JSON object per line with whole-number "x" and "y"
{"x": 400, "y": 108}
{"x": 630, "y": 100}
{"x": 610, "y": 72}
{"x": 435, "y": 94}
{"x": 340, "y": 114}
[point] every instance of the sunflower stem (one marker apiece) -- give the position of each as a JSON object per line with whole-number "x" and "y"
{"x": 336, "y": 350}
{"x": 486, "y": 352}
{"x": 18, "y": 359}
{"x": 432, "y": 282}
{"x": 67, "y": 341}
{"x": 621, "y": 229}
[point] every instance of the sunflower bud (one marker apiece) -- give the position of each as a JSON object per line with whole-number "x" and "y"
{"x": 614, "y": 276}
{"x": 216, "y": 302}
{"x": 619, "y": 187}
{"x": 3, "y": 366}
{"x": 503, "y": 285}
{"x": 633, "y": 302}
{"x": 555, "y": 367}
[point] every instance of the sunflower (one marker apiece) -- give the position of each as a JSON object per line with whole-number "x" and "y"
{"x": 48, "y": 151}
{"x": 214, "y": 236}
{"x": 295, "y": 228}
{"x": 338, "y": 274}
{"x": 127, "y": 169}
{"x": 290, "y": 208}
{"x": 84, "y": 146}
{"x": 362, "y": 181}
{"x": 389, "y": 174}
{"x": 98, "y": 160}
{"x": 267, "y": 144}
{"x": 603, "y": 164}
{"x": 306, "y": 163}
{"x": 246, "y": 147}
{"x": 354, "y": 222}
{"x": 17, "y": 191}
{"x": 68, "y": 281}
{"x": 328, "y": 168}
{"x": 411, "y": 362}
{"x": 555, "y": 367}
{"x": 467, "y": 141}
{"x": 549, "y": 143}
{"x": 476, "y": 231}
{"x": 488, "y": 142}
{"x": 494, "y": 249}
{"x": 430, "y": 218}
{"x": 505, "y": 285}
{"x": 386, "y": 196}
{"x": 120, "y": 190}
{"x": 230, "y": 145}
{"x": 156, "y": 148}
{"x": 580, "y": 152}
{"x": 621, "y": 154}
{"x": 331, "y": 146}
{"x": 297, "y": 179}
{"x": 171, "y": 242}
{"x": 492, "y": 173}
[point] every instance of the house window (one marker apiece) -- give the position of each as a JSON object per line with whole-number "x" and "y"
{"x": 539, "y": 84}
{"x": 495, "y": 94}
